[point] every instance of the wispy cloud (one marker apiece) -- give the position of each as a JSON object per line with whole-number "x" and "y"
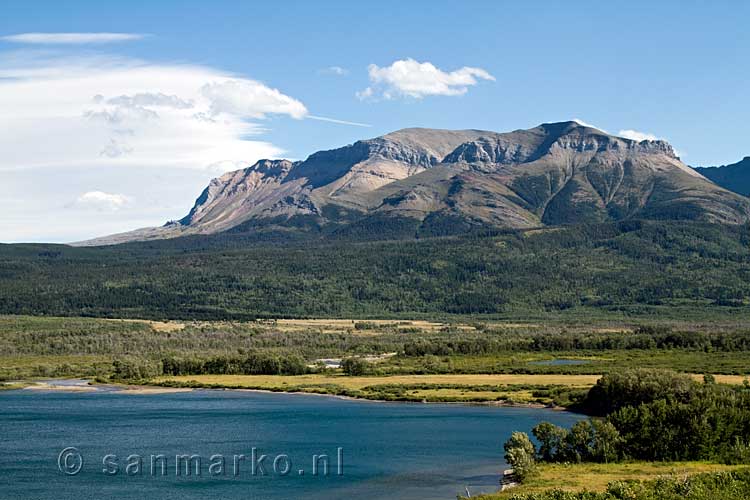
{"x": 635, "y": 135}
{"x": 334, "y": 70}
{"x": 410, "y": 78}
{"x": 71, "y": 38}
{"x": 589, "y": 125}
{"x": 340, "y": 122}
{"x": 89, "y": 111}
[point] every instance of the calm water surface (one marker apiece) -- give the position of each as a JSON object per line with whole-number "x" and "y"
{"x": 390, "y": 450}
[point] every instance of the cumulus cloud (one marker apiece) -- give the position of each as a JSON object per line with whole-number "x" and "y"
{"x": 71, "y": 38}
{"x": 101, "y": 201}
{"x": 637, "y": 136}
{"x": 410, "y": 78}
{"x": 86, "y": 110}
{"x": 250, "y": 99}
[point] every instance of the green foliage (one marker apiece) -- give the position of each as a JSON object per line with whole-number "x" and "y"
{"x": 520, "y": 454}
{"x": 665, "y": 416}
{"x": 617, "y": 269}
{"x": 592, "y": 440}
{"x": 355, "y": 366}
{"x": 552, "y": 440}
{"x": 710, "y": 486}
{"x": 737, "y": 453}
{"x": 634, "y": 387}
{"x": 654, "y": 415}
{"x": 606, "y": 442}
{"x": 134, "y": 369}
{"x": 251, "y": 364}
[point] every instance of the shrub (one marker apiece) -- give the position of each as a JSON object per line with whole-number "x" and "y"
{"x": 355, "y": 366}
{"x": 520, "y": 455}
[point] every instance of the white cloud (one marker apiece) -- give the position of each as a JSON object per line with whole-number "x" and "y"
{"x": 637, "y": 136}
{"x": 148, "y": 99}
{"x": 71, "y": 38}
{"x": 334, "y": 70}
{"x": 250, "y": 99}
{"x": 90, "y": 110}
{"x": 340, "y": 122}
{"x": 115, "y": 149}
{"x": 71, "y": 123}
{"x": 39, "y": 204}
{"x": 101, "y": 201}
{"x": 410, "y": 78}
{"x": 583, "y": 123}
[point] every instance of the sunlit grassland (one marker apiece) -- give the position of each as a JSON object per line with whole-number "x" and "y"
{"x": 596, "y": 477}
{"x": 506, "y": 388}
{"x": 360, "y": 382}
{"x": 516, "y": 389}
{"x": 38, "y": 347}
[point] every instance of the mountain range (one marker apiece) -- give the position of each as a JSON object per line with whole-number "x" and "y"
{"x": 450, "y": 181}
{"x": 735, "y": 177}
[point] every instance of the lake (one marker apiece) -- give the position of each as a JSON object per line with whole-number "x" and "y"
{"x": 387, "y": 450}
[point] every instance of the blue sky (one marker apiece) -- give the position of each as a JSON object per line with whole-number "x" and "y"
{"x": 674, "y": 70}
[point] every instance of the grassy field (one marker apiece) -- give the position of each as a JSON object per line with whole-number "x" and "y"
{"x": 517, "y": 389}
{"x": 507, "y": 388}
{"x": 596, "y": 477}
{"x": 469, "y": 360}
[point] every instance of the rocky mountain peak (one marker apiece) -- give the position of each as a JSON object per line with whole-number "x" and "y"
{"x": 555, "y": 173}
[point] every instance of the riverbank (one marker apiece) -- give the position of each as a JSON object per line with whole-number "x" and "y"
{"x": 497, "y": 390}
{"x": 391, "y": 389}
{"x": 85, "y": 385}
{"x": 511, "y": 390}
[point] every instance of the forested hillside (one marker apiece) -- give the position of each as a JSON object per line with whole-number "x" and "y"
{"x": 630, "y": 267}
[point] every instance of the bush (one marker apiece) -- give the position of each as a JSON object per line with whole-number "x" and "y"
{"x": 520, "y": 455}
{"x": 355, "y": 366}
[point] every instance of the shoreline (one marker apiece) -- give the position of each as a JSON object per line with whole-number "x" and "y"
{"x": 88, "y": 386}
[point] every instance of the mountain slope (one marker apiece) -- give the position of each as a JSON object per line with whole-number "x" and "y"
{"x": 556, "y": 173}
{"x": 735, "y": 177}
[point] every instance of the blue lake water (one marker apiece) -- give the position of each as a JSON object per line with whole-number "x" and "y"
{"x": 390, "y": 450}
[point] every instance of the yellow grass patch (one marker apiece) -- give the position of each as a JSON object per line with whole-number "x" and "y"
{"x": 596, "y": 477}
{"x": 723, "y": 379}
{"x": 280, "y": 381}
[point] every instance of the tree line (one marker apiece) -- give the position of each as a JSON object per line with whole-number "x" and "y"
{"x": 644, "y": 337}
{"x": 260, "y": 363}
{"x": 645, "y": 414}
{"x": 621, "y": 268}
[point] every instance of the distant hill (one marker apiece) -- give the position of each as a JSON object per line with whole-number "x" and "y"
{"x": 649, "y": 269}
{"x": 735, "y": 177}
{"x": 436, "y": 182}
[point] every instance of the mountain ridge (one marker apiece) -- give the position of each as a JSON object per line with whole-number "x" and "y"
{"x": 734, "y": 177}
{"x": 555, "y": 173}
